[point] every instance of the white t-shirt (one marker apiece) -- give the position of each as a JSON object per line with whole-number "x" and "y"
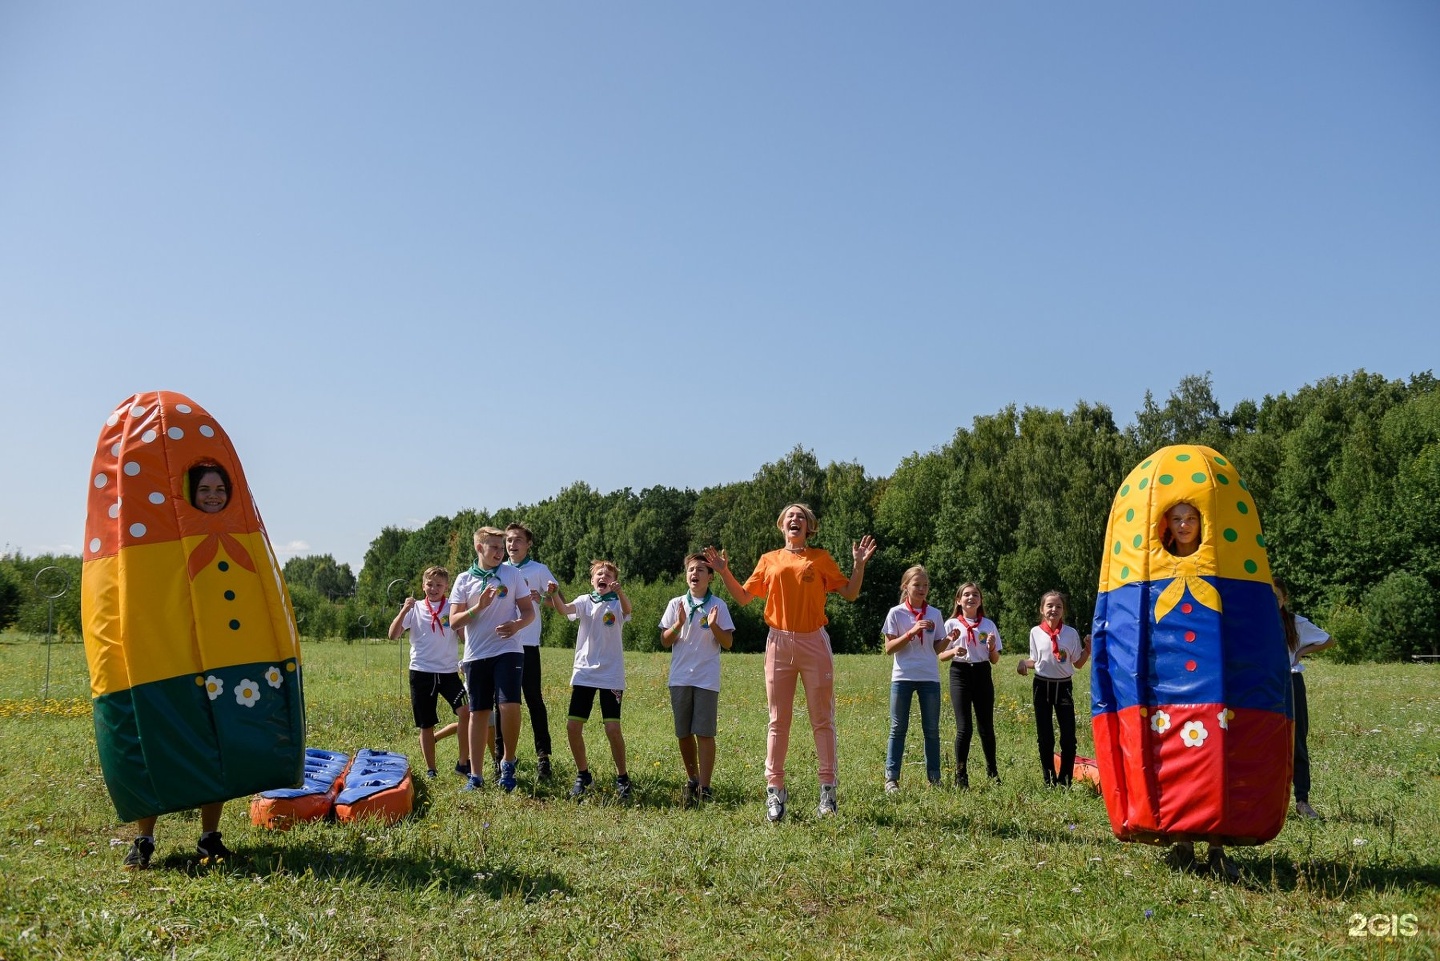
{"x": 915, "y": 661}
{"x": 538, "y": 577}
{"x": 1309, "y": 636}
{"x": 974, "y": 650}
{"x": 481, "y": 641}
{"x": 600, "y": 647}
{"x": 1042, "y": 652}
{"x": 432, "y": 642}
{"x": 695, "y": 661}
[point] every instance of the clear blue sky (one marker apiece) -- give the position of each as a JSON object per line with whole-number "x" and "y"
{"x": 422, "y": 257}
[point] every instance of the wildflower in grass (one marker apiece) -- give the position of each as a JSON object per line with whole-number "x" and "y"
{"x": 273, "y": 677}
{"x": 1225, "y": 717}
{"x": 214, "y": 687}
{"x": 1149, "y": 914}
{"x": 247, "y": 692}
{"x": 1193, "y": 734}
{"x": 1160, "y": 723}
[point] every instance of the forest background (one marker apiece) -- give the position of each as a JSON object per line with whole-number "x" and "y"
{"x": 1345, "y": 473}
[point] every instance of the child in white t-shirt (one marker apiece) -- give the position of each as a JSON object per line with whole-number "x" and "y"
{"x": 434, "y": 666}
{"x": 976, "y": 646}
{"x": 696, "y": 625}
{"x": 914, "y": 635}
{"x": 1056, "y": 651}
{"x": 599, "y": 669}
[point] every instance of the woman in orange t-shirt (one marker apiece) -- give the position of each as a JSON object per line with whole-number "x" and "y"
{"x": 794, "y": 581}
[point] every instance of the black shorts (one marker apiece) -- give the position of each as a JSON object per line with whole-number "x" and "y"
{"x": 582, "y": 699}
{"x": 425, "y": 686}
{"x": 494, "y": 680}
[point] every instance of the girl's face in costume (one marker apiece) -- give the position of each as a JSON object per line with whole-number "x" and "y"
{"x": 210, "y": 494}
{"x": 1184, "y": 523}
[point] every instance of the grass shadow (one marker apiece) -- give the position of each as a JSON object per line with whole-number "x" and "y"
{"x": 1335, "y": 878}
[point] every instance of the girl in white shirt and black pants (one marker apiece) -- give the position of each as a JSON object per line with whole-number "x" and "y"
{"x": 1056, "y": 650}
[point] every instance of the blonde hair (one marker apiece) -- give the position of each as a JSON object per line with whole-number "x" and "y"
{"x": 436, "y": 571}
{"x": 811, "y": 523}
{"x": 601, "y": 565}
{"x": 485, "y": 533}
{"x": 910, "y": 575}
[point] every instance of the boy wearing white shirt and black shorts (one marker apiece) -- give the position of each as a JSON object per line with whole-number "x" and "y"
{"x": 492, "y": 602}
{"x": 434, "y": 665}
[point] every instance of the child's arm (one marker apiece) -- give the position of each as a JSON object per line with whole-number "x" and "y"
{"x": 624, "y": 601}
{"x": 719, "y": 562}
{"x": 862, "y": 552}
{"x": 558, "y": 602}
{"x": 894, "y": 642}
{"x": 463, "y": 612}
{"x": 722, "y": 637}
{"x": 397, "y": 626}
{"x": 948, "y": 639}
{"x": 527, "y": 614}
{"x": 1084, "y": 653}
{"x": 669, "y": 635}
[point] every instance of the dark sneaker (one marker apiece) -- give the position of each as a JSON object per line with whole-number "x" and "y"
{"x": 580, "y": 787}
{"x": 542, "y": 767}
{"x": 775, "y": 798}
{"x": 690, "y": 793}
{"x": 1304, "y": 809}
{"x": 507, "y": 776}
{"x": 622, "y": 787}
{"x": 828, "y": 804}
{"x": 962, "y": 778}
{"x": 431, "y": 773}
{"x": 1181, "y": 856}
{"x": 138, "y": 857}
{"x": 211, "y": 848}
{"x": 1220, "y": 864}
{"x": 705, "y": 795}
{"x": 463, "y": 769}
{"x": 473, "y": 783}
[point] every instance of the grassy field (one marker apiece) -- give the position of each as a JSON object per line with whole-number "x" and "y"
{"x": 1008, "y": 871}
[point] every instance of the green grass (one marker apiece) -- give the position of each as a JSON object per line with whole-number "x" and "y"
{"x": 993, "y": 872}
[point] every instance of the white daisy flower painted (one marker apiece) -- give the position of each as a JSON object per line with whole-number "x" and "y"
{"x": 1193, "y": 734}
{"x": 273, "y": 677}
{"x": 247, "y": 692}
{"x": 214, "y": 687}
{"x": 1160, "y": 722}
{"x": 1225, "y": 717}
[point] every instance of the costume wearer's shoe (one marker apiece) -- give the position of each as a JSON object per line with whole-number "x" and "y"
{"x": 138, "y": 857}
{"x": 211, "y": 848}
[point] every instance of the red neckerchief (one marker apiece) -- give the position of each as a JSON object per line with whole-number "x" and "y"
{"x": 1054, "y": 638}
{"x": 918, "y": 615}
{"x": 969, "y": 628}
{"x": 435, "y": 613}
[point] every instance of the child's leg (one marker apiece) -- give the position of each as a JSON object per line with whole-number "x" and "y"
{"x": 510, "y": 724}
{"x": 209, "y": 817}
{"x": 1065, "y": 714}
{"x": 535, "y": 703}
{"x": 496, "y": 733}
{"x": 929, "y": 695}
{"x": 982, "y": 696}
{"x": 817, "y": 673}
{"x": 781, "y": 673}
{"x": 900, "y": 692}
{"x": 705, "y": 747}
{"x": 617, "y": 745}
{"x": 682, "y": 710}
{"x": 427, "y": 747}
{"x": 962, "y": 695}
{"x": 145, "y": 827}
{"x": 1044, "y": 727}
{"x": 582, "y": 700}
{"x": 1302, "y": 732}
{"x": 479, "y": 734}
{"x": 462, "y": 733}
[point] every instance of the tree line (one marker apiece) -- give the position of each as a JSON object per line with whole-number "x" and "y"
{"x": 1345, "y": 473}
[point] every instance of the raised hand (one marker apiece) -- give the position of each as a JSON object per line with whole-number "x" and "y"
{"x": 864, "y": 550}
{"x": 409, "y": 603}
{"x": 718, "y": 560}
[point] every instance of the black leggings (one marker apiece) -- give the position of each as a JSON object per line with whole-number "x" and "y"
{"x": 530, "y": 691}
{"x": 1302, "y": 731}
{"x": 971, "y": 685}
{"x": 1059, "y": 698}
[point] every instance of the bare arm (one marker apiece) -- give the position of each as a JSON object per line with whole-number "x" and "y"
{"x": 397, "y": 626}
{"x": 720, "y": 563}
{"x": 624, "y": 601}
{"x": 1084, "y": 653}
{"x": 527, "y": 614}
{"x": 862, "y": 552}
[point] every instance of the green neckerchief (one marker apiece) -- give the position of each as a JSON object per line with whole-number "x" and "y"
{"x": 690, "y": 609}
{"x": 527, "y": 560}
{"x": 599, "y": 598}
{"x": 477, "y": 571}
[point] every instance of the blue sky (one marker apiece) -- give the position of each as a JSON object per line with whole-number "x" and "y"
{"x": 419, "y": 258}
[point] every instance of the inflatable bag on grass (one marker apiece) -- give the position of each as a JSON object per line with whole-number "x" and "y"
{"x": 1190, "y": 681}
{"x": 378, "y": 785}
{"x": 312, "y": 801}
{"x": 189, "y": 633}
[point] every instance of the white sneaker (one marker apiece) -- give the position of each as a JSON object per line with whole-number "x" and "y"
{"x": 775, "y": 798}
{"x": 892, "y": 787}
{"x": 827, "y": 800}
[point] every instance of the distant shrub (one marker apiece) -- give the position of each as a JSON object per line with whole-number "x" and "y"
{"x": 1401, "y": 610}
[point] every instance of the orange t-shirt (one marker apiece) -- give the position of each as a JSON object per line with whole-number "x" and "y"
{"x": 794, "y": 587}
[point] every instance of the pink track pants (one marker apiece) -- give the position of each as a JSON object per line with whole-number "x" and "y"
{"x": 805, "y": 656}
